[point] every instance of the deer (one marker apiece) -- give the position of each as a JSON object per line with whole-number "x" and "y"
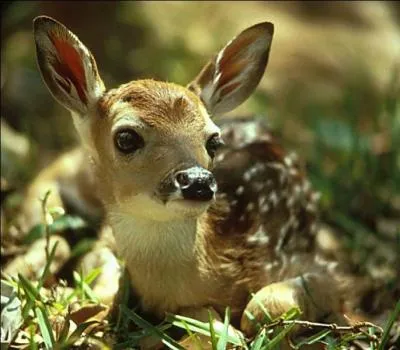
{"x": 205, "y": 215}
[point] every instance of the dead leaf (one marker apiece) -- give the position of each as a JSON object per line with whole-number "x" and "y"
{"x": 91, "y": 312}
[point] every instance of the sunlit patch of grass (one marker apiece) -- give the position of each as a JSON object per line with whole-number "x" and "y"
{"x": 270, "y": 336}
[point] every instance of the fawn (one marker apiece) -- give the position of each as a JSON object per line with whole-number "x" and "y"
{"x": 203, "y": 215}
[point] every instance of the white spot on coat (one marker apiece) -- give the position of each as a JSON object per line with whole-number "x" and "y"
{"x": 260, "y": 237}
{"x": 239, "y": 190}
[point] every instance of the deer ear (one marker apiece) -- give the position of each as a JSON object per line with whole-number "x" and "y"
{"x": 233, "y": 74}
{"x": 67, "y": 66}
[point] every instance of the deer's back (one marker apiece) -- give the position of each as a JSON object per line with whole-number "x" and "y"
{"x": 262, "y": 227}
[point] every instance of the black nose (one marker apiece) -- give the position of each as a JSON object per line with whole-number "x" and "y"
{"x": 196, "y": 184}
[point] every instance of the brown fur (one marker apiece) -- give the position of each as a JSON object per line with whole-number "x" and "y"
{"x": 158, "y": 104}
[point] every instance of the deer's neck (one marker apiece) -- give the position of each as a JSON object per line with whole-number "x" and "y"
{"x": 144, "y": 240}
{"x": 163, "y": 260}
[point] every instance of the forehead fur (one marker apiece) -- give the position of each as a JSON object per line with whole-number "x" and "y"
{"x": 157, "y": 103}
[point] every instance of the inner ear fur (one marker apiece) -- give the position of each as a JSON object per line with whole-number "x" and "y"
{"x": 67, "y": 66}
{"x": 231, "y": 76}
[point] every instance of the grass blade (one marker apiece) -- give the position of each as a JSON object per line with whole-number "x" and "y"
{"x": 213, "y": 336}
{"x": 83, "y": 288}
{"x": 45, "y": 328}
{"x": 222, "y": 342}
{"x": 259, "y": 340}
{"x": 31, "y": 292}
{"x": 200, "y": 330}
{"x": 279, "y": 337}
{"x": 190, "y": 321}
{"x": 124, "y": 299}
{"x": 393, "y": 317}
{"x": 142, "y": 323}
{"x": 31, "y": 295}
{"x": 32, "y": 343}
{"x": 198, "y": 327}
{"x": 313, "y": 339}
{"x": 92, "y": 275}
{"x": 291, "y": 314}
{"x": 267, "y": 316}
{"x": 47, "y": 267}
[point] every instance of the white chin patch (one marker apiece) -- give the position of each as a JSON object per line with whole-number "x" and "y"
{"x": 187, "y": 207}
{"x": 144, "y": 206}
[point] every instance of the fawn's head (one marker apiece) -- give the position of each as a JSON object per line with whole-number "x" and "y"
{"x": 152, "y": 143}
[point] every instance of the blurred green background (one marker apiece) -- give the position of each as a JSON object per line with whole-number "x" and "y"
{"x": 331, "y": 92}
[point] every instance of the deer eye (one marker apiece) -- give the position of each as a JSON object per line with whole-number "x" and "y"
{"x": 213, "y": 144}
{"x": 128, "y": 141}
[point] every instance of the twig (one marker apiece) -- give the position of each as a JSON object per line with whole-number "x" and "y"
{"x": 333, "y": 327}
{"x": 358, "y": 327}
{"x": 47, "y": 226}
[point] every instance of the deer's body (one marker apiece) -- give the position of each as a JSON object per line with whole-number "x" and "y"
{"x": 151, "y": 148}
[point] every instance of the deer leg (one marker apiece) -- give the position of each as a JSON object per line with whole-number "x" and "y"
{"x": 316, "y": 295}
